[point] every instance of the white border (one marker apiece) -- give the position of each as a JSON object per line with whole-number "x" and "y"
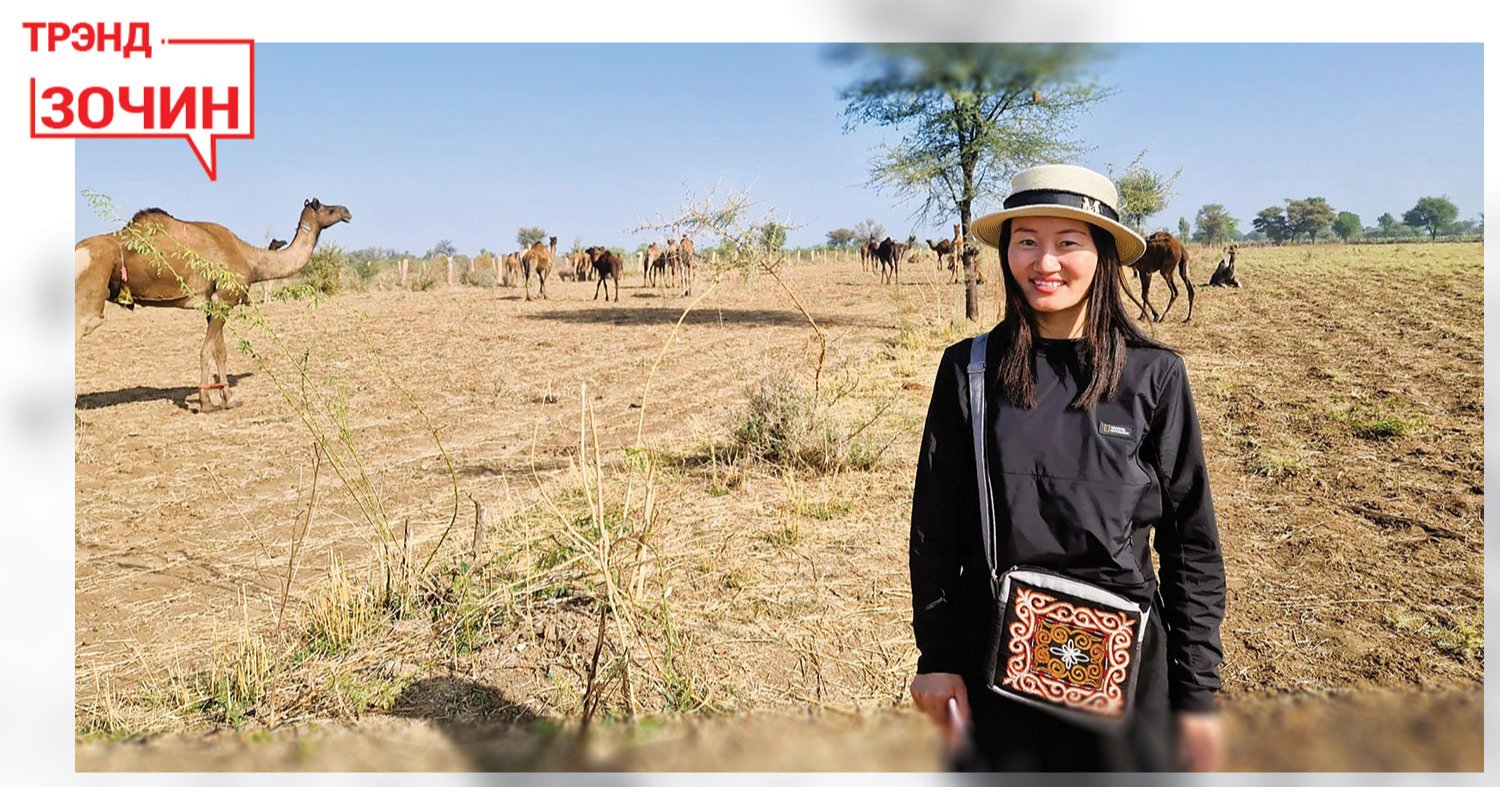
{"x": 36, "y": 579}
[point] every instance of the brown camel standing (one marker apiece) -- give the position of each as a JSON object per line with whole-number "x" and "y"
{"x": 1165, "y": 255}
{"x": 867, "y": 254}
{"x": 654, "y": 256}
{"x": 608, "y": 265}
{"x": 511, "y": 268}
{"x": 669, "y": 264}
{"x": 538, "y": 258}
{"x": 686, "y": 259}
{"x": 158, "y": 260}
{"x": 944, "y": 250}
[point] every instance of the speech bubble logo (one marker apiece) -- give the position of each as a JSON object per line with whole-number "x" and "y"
{"x": 201, "y": 90}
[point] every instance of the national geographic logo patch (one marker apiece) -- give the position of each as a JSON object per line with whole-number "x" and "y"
{"x": 1111, "y": 430}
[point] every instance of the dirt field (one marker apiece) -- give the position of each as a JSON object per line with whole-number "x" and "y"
{"x": 1340, "y": 394}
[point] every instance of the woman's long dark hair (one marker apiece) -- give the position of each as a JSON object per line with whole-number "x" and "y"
{"x": 1107, "y": 330}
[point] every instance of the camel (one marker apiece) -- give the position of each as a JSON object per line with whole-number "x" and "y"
{"x": 944, "y": 249}
{"x": 159, "y": 260}
{"x": 1165, "y": 255}
{"x": 955, "y": 263}
{"x": 889, "y": 253}
{"x": 608, "y": 265}
{"x": 669, "y": 264}
{"x": 685, "y": 262}
{"x": 538, "y": 258}
{"x": 511, "y": 268}
{"x": 655, "y": 263}
{"x": 867, "y": 254}
{"x": 1224, "y": 274}
{"x": 276, "y": 244}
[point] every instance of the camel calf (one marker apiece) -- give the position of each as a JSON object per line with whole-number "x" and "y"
{"x": 1224, "y": 274}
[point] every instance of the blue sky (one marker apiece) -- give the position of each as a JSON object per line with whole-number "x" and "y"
{"x": 469, "y": 142}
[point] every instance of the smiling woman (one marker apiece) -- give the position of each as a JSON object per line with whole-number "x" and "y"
{"x": 1055, "y": 260}
{"x": 1054, "y": 445}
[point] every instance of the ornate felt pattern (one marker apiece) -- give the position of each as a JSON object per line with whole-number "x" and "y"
{"x": 1066, "y": 653}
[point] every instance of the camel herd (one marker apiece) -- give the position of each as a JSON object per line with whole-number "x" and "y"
{"x": 159, "y": 260}
{"x": 887, "y": 255}
{"x": 673, "y": 264}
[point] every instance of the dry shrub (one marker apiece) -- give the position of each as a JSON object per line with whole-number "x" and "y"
{"x": 481, "y": 277}
{"x": 785, "y": 424}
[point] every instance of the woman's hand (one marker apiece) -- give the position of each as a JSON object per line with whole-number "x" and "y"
{"x": 1200, "y": 741}
{"x": 931, "y": 691}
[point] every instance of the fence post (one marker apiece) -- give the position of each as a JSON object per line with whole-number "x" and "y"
{"x": 449, "y": 257}
{"x": 404, "y": 263}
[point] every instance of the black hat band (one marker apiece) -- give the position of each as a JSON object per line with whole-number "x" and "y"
{"x": 1065, "y": 199}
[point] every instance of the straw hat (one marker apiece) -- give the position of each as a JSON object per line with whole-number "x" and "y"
{"x": 1068, "y": 192}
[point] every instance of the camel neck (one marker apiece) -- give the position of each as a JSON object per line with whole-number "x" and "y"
{"x": 286, "y": 262}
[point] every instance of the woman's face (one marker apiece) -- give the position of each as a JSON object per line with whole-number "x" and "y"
{"x": 1053, "y": 260}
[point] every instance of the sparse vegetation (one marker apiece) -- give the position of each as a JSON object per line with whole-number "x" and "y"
{"x": 741, "y": 555}
{"x": 1372, "y": 421}
{"x": 784, "y": 424}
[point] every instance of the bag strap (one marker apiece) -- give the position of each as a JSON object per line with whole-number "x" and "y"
{"x": 981, "y": 455}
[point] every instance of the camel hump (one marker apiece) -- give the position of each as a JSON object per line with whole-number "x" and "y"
{"x": 144, "y": 215}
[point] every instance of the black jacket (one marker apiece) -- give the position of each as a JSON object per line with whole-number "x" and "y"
{"x": 1076, "y": 491}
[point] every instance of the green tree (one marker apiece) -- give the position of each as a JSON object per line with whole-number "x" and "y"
{"x": 443, "y": 248}
{"x": 971, "y": 116}
{"x": 1144, "y": 192}
{"x": 772, "y": 236}
{"x": 842, "y": 238}
{"x": 1184, "y": 231}
{"x": 1272, "y": 222}
{"x": 1215, "y": 225}
{"x": 1433, "y": 214}
{"x": 1311, "y": 216}
{"x": 529, "y": 235}
{"x": 1387, "y": 223}
{"x": 1347, "y": 226}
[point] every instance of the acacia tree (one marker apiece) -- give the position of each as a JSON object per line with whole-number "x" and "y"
{"x": 1215, "y": 225}
{"x": 443, "y": 248}
{"x": 529, "y": 235}
{"x": 1144, "y": 192}
{"x": 841, "y": 238}
{"x": 1432, "y": 214}
{"x": 971, "y": 115}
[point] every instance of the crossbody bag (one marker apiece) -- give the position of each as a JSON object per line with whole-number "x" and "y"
{"x": 1057, "y": 643}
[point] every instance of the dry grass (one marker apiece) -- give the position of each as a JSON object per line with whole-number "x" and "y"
{"x": 1343, "y": 427}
